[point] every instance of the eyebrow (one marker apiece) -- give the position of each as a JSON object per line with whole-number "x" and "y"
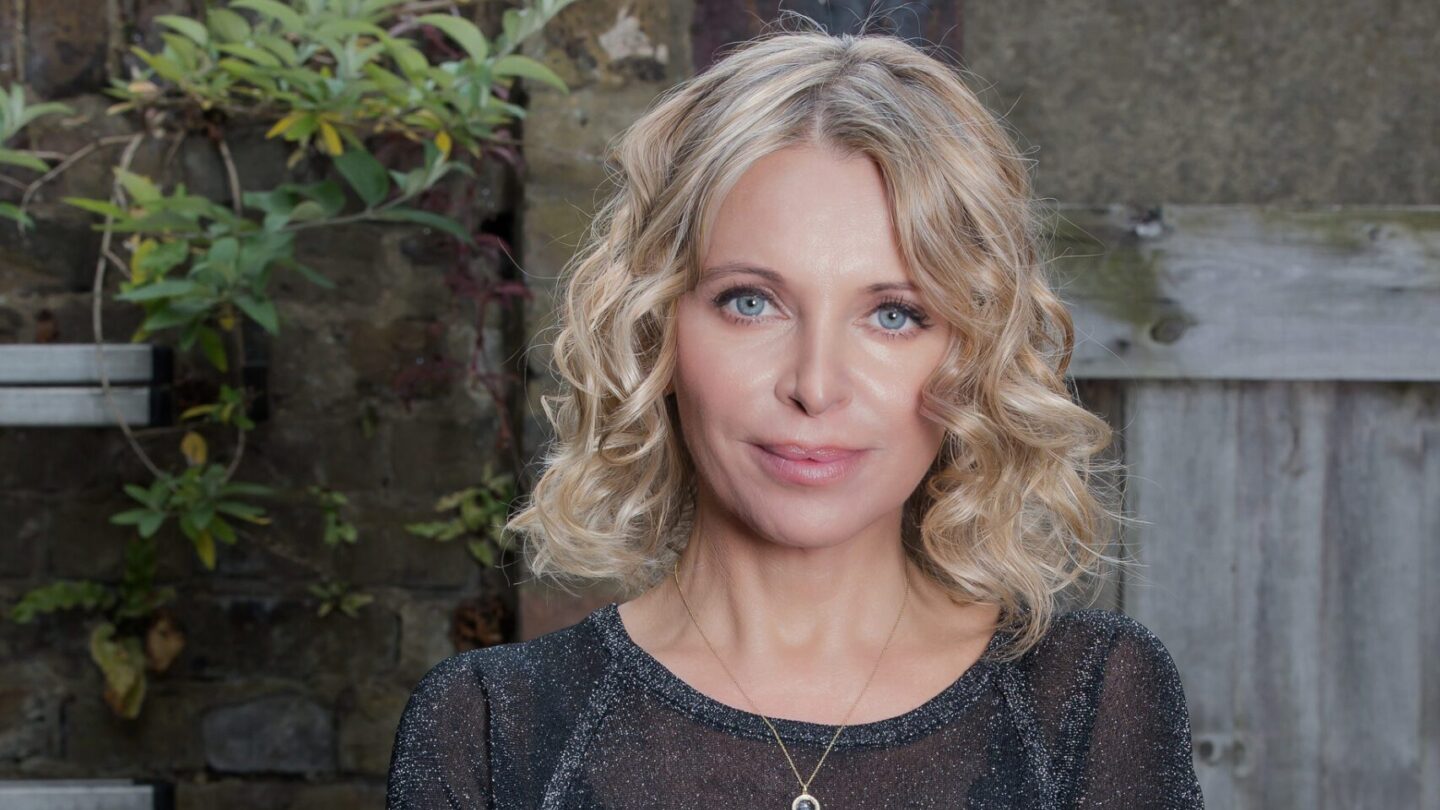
{"x": 735, "y": 268}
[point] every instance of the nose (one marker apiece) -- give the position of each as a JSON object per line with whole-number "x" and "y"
{"x": 819, "y": 375}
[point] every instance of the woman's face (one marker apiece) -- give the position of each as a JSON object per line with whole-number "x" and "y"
{"x": 787, "y": 340}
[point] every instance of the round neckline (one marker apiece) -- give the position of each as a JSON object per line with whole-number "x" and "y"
{"x": 933, "y": 713}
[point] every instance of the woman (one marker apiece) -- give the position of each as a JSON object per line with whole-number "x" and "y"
{"x": 815, "y": 421}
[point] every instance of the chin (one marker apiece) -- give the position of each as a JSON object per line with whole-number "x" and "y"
{"x": 804, "y": 534}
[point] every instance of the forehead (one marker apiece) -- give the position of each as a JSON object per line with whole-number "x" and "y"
{"x": 805, "y": 212}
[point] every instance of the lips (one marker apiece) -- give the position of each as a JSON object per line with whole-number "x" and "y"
{"x": 798, "y": 452}
{"x": 807, "y": 466}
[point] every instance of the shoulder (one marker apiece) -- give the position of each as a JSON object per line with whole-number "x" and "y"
{"x": 541, "y": 668}
{"x": 1100, "y": 621}
{"x": 1108, "y": 701}
{"x": 1096, "y": 646}
{"x": 1098, "y": 627}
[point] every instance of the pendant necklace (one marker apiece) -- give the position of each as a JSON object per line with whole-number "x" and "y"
{"x": 804, "y": 801}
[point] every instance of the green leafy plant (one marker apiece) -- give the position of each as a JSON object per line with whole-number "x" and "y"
{"x": 136, "y": 601}
{"x": 15, "y": 113}
{"x": 480, "y": 513}
{"x": 330, "y": 77}
{"x": 337, "y": 530}
{"x": 200, "y": 499}
{"x": 338, "y": 595}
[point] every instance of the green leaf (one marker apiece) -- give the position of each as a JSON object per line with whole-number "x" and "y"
{"x": 263, "y": 311}
{"x": 61, "y": 595}
{"x": 307, "y": 211}
{"x": 370, "y": 7}
{"x": 214, "y": 348}
{"x": 130, "y": 517}
{"x": 411, "y": 61}
{"x": 122, "y": 660}
{"x": 28, "y": 114}
{"x": 205, "y": 548}
{"x": 186, "y": 26}
{"x": 227, "y": 26}
{"x": 462, "y": 31}
{"x": 352, "y": 602}
{"x": 245, "y": 511}
{"x": 223, "y": 252}
{"x": 386, "y": 80}
{"x": 165, "y": 256}
{"x": 527, "y": 68}
{"x": 429, "y": 218}
{"x": 12, "y": 211}
{"x": 28, "y": 161}
{"x": 173, "y": 313}
{"x": 138, "y": 186}
{"x": 101, "y": 207}
{"x": 163, "y": 289}
{"x": 339, "y": 28}
{"x": 185, "y": 53}
{"x": 280, "y": 47}
{"x": 242, "y": 488}
{"x": 365, "y": 174}
{"x": 161, "y": 65}
{"x": 280, "y": 12}
{"x": 328, "y": 193}
{"x": 151, "y": 524}
{"x": 411, "y": 182}
{"x": 223, "y": 531}
{"x": 454, "y": 499}
{"x": 142, "y": 495}
{"x": 280, "y": 200}
{"x": 431, "y": 530}
{"x": 482, "y": 551}
{"x": 257, "y": 55}
{"x": 313, "y": 276}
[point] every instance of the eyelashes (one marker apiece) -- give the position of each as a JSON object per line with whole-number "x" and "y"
{"x": 919, "y": 318}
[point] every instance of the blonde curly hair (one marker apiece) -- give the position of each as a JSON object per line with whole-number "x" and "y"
{"x": 1010, "y": 512}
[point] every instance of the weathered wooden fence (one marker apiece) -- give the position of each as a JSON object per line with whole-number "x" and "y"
{"x": 1273, "y": 373}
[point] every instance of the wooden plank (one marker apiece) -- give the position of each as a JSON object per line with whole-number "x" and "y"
{"x": 1292, "y": 539}
{"x": 66, "y": 363}
{"x": 72, "y": 406}
{"x": 1249, "y": 292}
{"x": 1182, "y": 452}
{"x": 1428, "y": 611}
{"x": 1283, "y": 447}
{"x": 1373, "y": 539}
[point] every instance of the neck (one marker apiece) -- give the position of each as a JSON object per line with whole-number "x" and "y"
{"x": 762, "y": 600}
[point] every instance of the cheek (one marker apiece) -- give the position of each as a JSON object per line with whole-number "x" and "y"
{"x": 915, "y": 438}
{"x": 711, "y": 378}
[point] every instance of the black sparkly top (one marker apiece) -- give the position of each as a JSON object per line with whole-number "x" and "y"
{"x": 584, "y": 718}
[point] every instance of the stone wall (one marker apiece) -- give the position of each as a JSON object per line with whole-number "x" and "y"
{"x": 268, "y": 705}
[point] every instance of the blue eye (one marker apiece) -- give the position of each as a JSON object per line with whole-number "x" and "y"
{"x": 750, "y": 298}
{"x": 751, "y": 302}
{"x": 894, "y": 309}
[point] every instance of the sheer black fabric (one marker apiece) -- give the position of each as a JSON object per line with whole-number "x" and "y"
{"x": 584, "y": 718}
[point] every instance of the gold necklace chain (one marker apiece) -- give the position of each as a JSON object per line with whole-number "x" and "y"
{"x": 804, "y": 783}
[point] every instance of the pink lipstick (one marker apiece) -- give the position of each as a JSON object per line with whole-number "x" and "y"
{"x": 809, "y": 466}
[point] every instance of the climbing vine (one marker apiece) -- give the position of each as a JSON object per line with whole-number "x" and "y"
{"x": 397, "y": 96}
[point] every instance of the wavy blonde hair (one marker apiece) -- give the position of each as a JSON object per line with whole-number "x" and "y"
{"x": 1010, "y": 512}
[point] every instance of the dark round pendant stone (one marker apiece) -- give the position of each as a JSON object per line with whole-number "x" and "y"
{"x": 806, "y": 803}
